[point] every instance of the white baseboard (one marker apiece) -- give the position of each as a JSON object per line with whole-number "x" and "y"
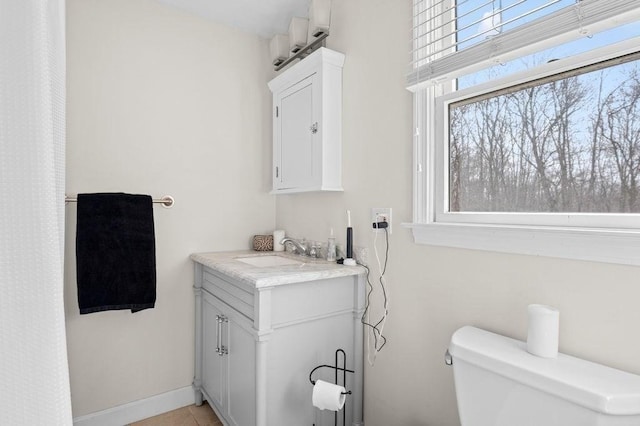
{"x": 138, "y": 410}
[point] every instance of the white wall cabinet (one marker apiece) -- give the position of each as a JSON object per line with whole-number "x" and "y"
{"x": 307, "y": 124}
{"x": 255, "y": 347}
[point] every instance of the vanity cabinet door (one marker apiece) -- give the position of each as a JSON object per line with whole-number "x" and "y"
{"x": 229, "y": 372}
{"x": 213, "y": 378}
{"x": 241, "y": 364}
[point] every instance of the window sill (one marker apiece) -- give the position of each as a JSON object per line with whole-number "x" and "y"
{"x": 620, "y": 246}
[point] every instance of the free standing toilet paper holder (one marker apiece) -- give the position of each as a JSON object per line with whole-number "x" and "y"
{"x": 337, "y": 368}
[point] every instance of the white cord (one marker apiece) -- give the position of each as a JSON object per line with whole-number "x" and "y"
{"x": 383, "y": 321}
{"x": 384, "y": 285}
{"x": 368, "y": 320}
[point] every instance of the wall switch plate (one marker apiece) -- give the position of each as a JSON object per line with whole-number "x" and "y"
{"x": 381, "y": 215}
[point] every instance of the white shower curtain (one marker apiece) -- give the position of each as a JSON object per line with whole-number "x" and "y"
{"x": 34, "y": 377}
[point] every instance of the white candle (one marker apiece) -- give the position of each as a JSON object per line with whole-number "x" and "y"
{"x": 348, "y": 218}
{"x": 542, "y": 338}
{"x": 278, "y": 235}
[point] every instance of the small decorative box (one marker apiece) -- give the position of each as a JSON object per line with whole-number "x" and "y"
{"x": 263, "y": 242}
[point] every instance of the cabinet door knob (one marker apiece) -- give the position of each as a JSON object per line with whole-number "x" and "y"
{"x": 314, "y": 128}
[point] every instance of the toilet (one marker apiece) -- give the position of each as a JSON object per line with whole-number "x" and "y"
{"x": 498, "y": 383}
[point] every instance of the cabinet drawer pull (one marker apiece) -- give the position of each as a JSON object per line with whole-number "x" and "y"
{"x": 218, "y": 334}
{"x": 220, "y": 348}
{"x": 314, "y": 128}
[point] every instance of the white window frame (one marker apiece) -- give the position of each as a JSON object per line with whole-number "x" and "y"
{"x": 591, "y": 237}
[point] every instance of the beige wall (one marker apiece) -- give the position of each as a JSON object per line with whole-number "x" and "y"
{"x": 161, "y": 102}
{"x": 154, "y": 109}
{"x": 436, "y": 290}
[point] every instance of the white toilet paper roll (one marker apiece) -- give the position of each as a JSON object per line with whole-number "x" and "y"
{"x": 278, "y": 235}
{"x": 544, "y": 324}
{"x": 327, "y": 396}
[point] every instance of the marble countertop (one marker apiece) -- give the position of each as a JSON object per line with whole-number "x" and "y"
{"x": 268, "y": 276}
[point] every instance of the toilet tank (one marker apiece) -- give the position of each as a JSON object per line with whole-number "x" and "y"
{"x": 498, "y": 383}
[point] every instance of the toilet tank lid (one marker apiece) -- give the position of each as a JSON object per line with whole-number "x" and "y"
{"x": 594, "y": 386}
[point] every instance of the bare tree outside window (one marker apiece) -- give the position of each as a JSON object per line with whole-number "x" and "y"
{"x": 570, "y": 145}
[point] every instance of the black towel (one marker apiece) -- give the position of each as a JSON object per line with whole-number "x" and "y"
{"x": 115, "y": 252}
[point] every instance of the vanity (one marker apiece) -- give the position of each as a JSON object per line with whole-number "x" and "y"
{"x": 264, "y": 320}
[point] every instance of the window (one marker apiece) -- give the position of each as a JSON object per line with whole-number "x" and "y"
{"x": 528, "y": 126}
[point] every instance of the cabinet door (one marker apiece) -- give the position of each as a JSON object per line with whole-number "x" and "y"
{"x": 229, "y": 365}
{"x": 297, "y": 132}
{"x": 213, "y": 378}
{"x": 241, "y": 364}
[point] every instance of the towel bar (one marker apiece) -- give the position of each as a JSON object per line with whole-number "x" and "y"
{"x": 167, "y": 201}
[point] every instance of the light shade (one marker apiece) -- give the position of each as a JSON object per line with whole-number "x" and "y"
{"x": 319, "y": 18}
{"x": 298, "y": 34}
{"x": 279, "y": 47}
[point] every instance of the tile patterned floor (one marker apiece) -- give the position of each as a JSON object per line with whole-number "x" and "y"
{"x": 185, "y": 416}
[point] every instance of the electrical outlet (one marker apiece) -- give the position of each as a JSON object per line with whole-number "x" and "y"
{"x": 381, "y": 215}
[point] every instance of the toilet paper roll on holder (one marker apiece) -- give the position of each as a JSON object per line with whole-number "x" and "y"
{"x": 336, "y": 368}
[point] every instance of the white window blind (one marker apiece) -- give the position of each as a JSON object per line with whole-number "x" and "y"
{"x": 452, "y": 38}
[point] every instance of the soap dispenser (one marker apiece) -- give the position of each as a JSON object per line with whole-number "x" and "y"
{"x": 331, "y": 248}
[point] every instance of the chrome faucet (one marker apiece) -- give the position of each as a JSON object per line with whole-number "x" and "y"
{"x": 299, "y": 247}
